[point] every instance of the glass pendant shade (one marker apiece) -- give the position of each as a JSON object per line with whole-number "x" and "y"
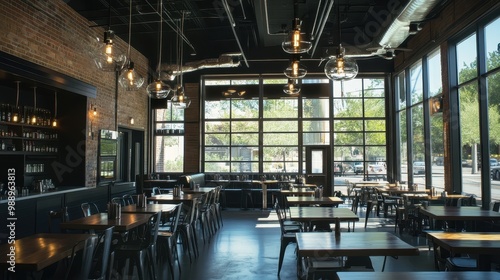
{"x": 295, "y": 70}
{"x": 158, "y": 89}
{"x": 293, "y": 43}
{"x": 108, "y": 57}
{"x": 341, "y": 68}
{"x": 292, "y": 88}
{"x": 180, "y": 100}
{"x": 130, "y": 79}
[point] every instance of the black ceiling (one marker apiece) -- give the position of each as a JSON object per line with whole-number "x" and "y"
{"x": 259, "y": 25}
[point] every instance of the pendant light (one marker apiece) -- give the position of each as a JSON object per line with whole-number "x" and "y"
{"x": 340, "y": 67}
{"x": 292, "y": 87}
{"x": 158, "y": 89}
{"x": 54, "y": 120}
{"x": 107, "y": 56}
{"x": 15, "y": 115}
{"x": 294, "y": 42}
{"x": 129, "y": 78}
{"x": 180, "y": 100}
{"x": 295, "y": 70}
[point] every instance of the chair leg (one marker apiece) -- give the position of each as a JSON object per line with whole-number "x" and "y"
{"x": 369, "y": 206}
{"x": 282, "y": 255}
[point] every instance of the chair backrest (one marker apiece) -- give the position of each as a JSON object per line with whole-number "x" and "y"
{"x": 128, "y": 199}
{"x": 468, "y": 201}
{"x": 96, "y": 265}
{"x": 118, "y": 200}
{"x": 57, "y": 216}
{"x": 155, "y": 191}
{"x": 280, "y": 215}
{"x": 173, "y": 220}
{"x": 89, "y": 208}
{"x": 88, "y": 252}
{"x": 495, "y": 206}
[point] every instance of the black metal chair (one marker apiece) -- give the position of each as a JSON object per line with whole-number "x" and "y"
{"x": 128, "y": 199}
{"x": 141, "y": 250}
{"x": 167, "y": 240}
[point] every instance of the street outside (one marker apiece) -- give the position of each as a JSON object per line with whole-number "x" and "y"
{"x": 471, "y": 182}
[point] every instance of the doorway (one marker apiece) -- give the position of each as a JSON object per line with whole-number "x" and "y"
{"x": 318, "y": 169}
{"x": 131, "y": 159}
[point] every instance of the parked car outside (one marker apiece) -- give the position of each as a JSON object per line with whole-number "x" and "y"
{"x": 418, "y": 167}
{"x": 358, "y": 167}
{"x": 493, "y": 162}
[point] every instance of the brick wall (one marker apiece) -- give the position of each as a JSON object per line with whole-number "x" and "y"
{"x": 51, "y": 34}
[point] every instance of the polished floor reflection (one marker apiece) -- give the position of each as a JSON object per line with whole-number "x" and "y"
{"x": 247, "y": 247}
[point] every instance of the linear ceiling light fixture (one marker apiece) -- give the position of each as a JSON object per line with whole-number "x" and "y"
{"x": 107, "y": 56}
{"x": 129, "y": 78}
{"x": 158, "y": 89}
{"x": 340, "y": 67}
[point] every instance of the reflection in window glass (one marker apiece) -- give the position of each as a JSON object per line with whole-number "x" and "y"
{"x": 467, "y": 59}
{"x": 469, "y": 135}
{"x": 316, "y": 138}
{"x": 403, "y": 140}
{"x": 244, "y": 126}
{"x": 375, "y": 108}
{"x": 434, "y": 67}
{"x": 348, "y": 108}
{"x": 280, "y": 108}
{"x": 374, "y": 88}
{"x": 348, "y": 125}
{"x": 169, "y": 153}
{"x": 291, "y": 126}
{"x": 348, "y": 138}
{"x": 417, "y": 133}
{"x": 416, "y": 92}
{"x": 217, "y": 109}
{"x": 245, "y": 109}
{"x": 315, "y": 108}
{"x": 215, "y": 126}
{"x": 494, "y": 125}
{"x": 315, "y": 126}
{"x": 492, "y": 45}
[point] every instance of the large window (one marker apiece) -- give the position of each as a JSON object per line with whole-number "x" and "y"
{"x": 169, "y": 140}
{"x": 250, "y": 125}
{"x": 420, "y": 130}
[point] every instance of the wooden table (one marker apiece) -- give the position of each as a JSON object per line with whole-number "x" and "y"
{"x": 171, "y": 199}
{"x": 483, "y": 244}
{"x": 311, "y": 200}
{"x": 453, "y": 213}
{"x": 149, "y": 208}
{"x": 351, "y": 244}
{"x": 100, "y": 221}
{"x": 310, "y": 186}
{"x": 420, "y": 275}
{"x": 36, "y": 252}
{"x": 322, "y": 214}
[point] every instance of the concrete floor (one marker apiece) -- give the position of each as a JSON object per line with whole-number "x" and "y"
{"x": 247, "y": 247}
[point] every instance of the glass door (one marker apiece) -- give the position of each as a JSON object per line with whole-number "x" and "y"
{"x": 318, "y": 167}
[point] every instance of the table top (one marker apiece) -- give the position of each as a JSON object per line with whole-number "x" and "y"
{"x": 323, "y": 244}
{"x": 487, "y": 243}
{"x": 419, "y": 275}
{"x": 149, "y": 208}
{"x": 169, "y": 198}
{"x": 306, "y": 214}
{"x": 38, "y": 251}
{"x": 406, "y": 191}
{"x": 160, "y": 181}
{"x": 310, "y": 200}
{"x": 100, "y": 222}
{"x": 459, "y": 213}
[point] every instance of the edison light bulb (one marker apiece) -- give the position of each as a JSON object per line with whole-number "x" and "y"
{"x": 296, "y": 39}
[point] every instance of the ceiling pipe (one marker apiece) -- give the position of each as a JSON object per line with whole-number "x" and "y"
{"x": 324, "y": 19}
{"x": 170, "y": 71}
{"x": 233, "y": 25}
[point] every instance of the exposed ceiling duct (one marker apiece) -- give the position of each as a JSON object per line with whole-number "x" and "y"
{"x": 398, "y": 31}
{"x": 170, "y": 71}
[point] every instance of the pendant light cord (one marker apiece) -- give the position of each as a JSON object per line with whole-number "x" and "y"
{"x": 17, "y": 96}
{"x": 129, "y": 30}
{"x": 160, "y": 37}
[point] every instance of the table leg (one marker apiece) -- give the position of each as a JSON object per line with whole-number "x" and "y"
{"x": 264, "y": 196}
